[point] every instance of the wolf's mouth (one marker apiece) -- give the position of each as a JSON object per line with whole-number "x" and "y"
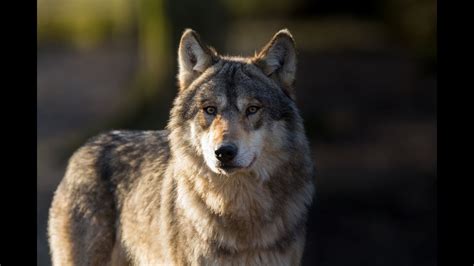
{"x": 228, "y": 167}
{"x": 231, "y": 167}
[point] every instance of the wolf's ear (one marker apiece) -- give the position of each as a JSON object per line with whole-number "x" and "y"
{"x": 193, "y": 58}
{"x": 277, "y": 60}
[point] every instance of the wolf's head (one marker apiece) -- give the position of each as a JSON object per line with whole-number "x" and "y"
{"x": 237, "y": 114}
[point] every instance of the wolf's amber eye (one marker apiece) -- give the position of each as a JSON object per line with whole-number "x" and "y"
{"x": 210, "y": 110}
{"x": 252, "y": 110}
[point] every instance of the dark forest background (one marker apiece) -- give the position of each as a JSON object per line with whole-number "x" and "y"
{"x": 366, "y": 87}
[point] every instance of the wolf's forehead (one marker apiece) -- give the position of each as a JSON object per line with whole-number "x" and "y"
{"x": 237, "y": 84}
{"x": 235, "y": 78}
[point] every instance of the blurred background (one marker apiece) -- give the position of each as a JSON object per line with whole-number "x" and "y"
{"x": 366, "y": 86}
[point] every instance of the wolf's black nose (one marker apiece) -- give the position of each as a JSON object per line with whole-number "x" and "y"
{"x": 226, "y": 153}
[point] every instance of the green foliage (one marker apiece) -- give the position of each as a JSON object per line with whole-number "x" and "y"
{"x": 82, "y": 23}
{"x": 262, "y": 7}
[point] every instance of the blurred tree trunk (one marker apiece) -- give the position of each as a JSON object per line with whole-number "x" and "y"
{"x": 153, "y": 46}
{"x": 154, "y": 66}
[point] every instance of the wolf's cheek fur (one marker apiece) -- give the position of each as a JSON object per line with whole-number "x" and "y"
{"x": 194, "y": 138}
{"x": 250, "y": 144}
{"x": 207, "y": 146}
{"x": 272, "y": 153}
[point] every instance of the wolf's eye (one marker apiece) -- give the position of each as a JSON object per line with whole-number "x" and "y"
{"x": 252, "y": 110}
{"x": 210, "y": 110}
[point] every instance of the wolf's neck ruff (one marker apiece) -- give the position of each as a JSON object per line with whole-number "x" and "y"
{"x": 243, "y": 195}
{"x": 240, "y": 212}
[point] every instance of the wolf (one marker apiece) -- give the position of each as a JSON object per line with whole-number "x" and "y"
{"x": 229, "y": 182}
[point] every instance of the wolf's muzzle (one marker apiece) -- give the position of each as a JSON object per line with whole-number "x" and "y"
{"x": 226, "y": 153}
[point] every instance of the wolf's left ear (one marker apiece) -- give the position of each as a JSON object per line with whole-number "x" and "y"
{"x": 193, "y": 58}
{"x": 277, "y": 60}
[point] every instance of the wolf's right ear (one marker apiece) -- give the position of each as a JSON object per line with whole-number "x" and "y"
{"x": 278, "y": 60}
{"x": 193, "y": 58}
